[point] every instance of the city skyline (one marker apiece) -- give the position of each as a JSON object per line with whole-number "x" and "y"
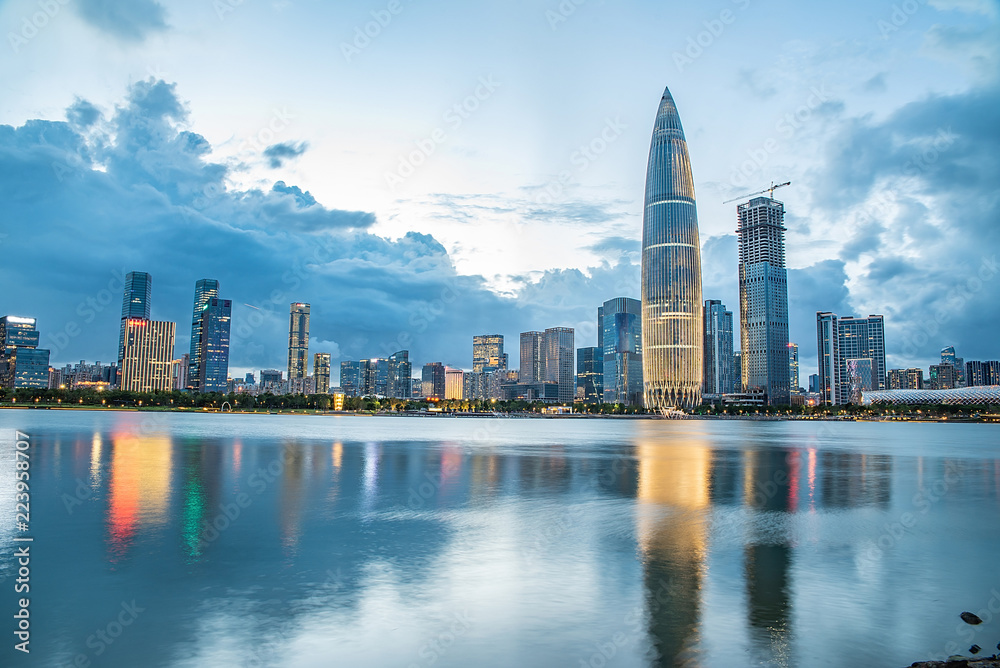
{"x": 869, "y": 231}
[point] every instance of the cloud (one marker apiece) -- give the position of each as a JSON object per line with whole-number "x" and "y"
{"x": 83, "y": 114}
{"x": 876, "y": 84}
{"x": 128, "y": 20}
{"x": 277, "y": 154}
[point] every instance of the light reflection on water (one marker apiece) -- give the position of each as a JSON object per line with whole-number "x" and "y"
{"x": 313, "y": 541}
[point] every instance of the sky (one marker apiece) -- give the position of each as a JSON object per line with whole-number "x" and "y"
{"x": 421, "y": 172}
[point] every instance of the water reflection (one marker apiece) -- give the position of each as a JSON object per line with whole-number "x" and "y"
{"x": 138, "y": 487}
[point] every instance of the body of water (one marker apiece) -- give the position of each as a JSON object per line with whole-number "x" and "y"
{"x": 260, "y": 540}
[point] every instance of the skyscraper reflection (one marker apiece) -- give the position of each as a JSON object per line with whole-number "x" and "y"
{"x": 138, "y": 486}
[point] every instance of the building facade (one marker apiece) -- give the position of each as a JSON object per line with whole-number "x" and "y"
{"x": 793, "y": 367}
{"x": 672, "y": 336}
{"x": 213, "y": 349}
{"x": 22, "y": 362}
{"x": 432, "y": 379}
{"x": 621, "y": 334}
{"x": 350, "y": 378}
{"x": 487, "y": 353}
{"x": 147, "y": 357}
{"x": 764, "y": 299}
{"x": 841, "y": 340}
{"x": 321, "y": 372}
{"x": 298, "y": 341}
{"x": 905, "y": 379}
{"x": 532, "y": 363}
{"x": 978, "y": 374}
{"x": 718, "y": 354}
{"x": 590, "y": 375}
{"x": 560, "y": 368}
{"x": 400, "y": 372}
{"x": 136, "y": 302}
{"x": 454, "y": 383}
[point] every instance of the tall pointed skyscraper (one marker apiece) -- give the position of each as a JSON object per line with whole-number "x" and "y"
{"x": 672, "y": 327}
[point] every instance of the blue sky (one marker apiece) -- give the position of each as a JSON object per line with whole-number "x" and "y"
{"x": 466, "y": 168}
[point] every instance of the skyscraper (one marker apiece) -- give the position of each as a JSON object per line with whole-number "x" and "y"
{"x": 738, "y": 371}
{"x": 487, "y": 353}
{"x": 764, "y": 298}
{"x": 454, "y": 383}
{"x": 590, "y": 375}
{"x": 793, "y": 367}
{"x": 841, "y": 340}
{"x": 22, "y": 362}
{"x": 135, "y": 302}
{"x": 671, "y": 270}
{"x": 321, "y": 372}
{"x": 718, "y": 354}
{"x": 350, "y": 378}
{"x": 213, "y": 349}
{"x": 433, "y": 381}
{"x": 863, "y": 338}
{"x": 829, "y": 358}
{"x": 400, "y": 373}
{"x": 559, "y": 367}
{"x": 982, "y": 373}
{"x": 298, "y": 341}
{"x": 948, "y": 356}
{"x": 532, "y": 367}
{"x": 204, "y": 290}
{"x": 147, "y": 356}
{"x": 622, "y": 337}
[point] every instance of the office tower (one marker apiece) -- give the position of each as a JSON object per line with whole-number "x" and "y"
{"x": 841, "y": 340}
{"x": 350, "y": 378}
{"x": 147, "y": 357}
{"x": 860, "y": 379}
{"x": 671, "y": 270}
{"x": 942, "y": 377}
{"x": 738, "y": 371}
{"x": 793, "y": 367}
{"x": 298, "y": 341}
{"x": 600, "y": 328}
{"x": 433, "y": 381}
{"x": 22, "y": 362}
{"x": 181, "y": 369}
{"x": 978, "y": 374}
{"x": 718, "y": 353}
{"x": 321, "y": 372}
{"x": 814, "y": 383}
{"x": 204, "y": 290}
{"x": 213, "y": 349}
{"x": 905, "y": 379}
{"x": 948, "y": 356}
{"x": 532, "y": 368}
{"x": 454, "y": 383}
{"x": 622, "y": 337}
{"x": 136, "y": 302}
{"x": 487, "y": 353}
{"x": 590, "y": 375}
{"x": 764, "y": 298}
{"x": 400, "y": 373}
{"x": 559, "y": 367}
{"x": 829, "y": 358}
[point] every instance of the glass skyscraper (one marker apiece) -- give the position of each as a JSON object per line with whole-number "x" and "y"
{"x": 135, "y": 302}
{"x": 204, "y": 290}
{"x": 840, "y": 342}
{"x": 559, "y": 368}
{"x": 793, "y": 367}
{"x": 590, "y": 375}
{"x": 400, "y": 374}
{"x": 671, "y": 270}
{"x": 487, "y": 353}
{"x": 621, "y": 329}
{"x": 718, "y": 355}
{"x": 22, "y": 362}
{"x": 321, "y": 372}
{"x": 350, "y": 378}
{"x": 213, "y": 349}
{"x": 532, "y": 367}
{"x": 764, "y": 299}
{"x": 298, "y": 341}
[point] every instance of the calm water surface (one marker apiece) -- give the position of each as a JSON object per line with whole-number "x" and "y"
{"x": 226, "y": 540}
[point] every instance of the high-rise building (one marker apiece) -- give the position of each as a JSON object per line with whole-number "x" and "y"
{"x": 942, "y": 377}
{"x": 738, "y": 371}
{"x": 590, "y": 375}
{"x": 213, "y": 349}
{"x": 842, "y": 339}
{"x": 905, "y": 379}
{"x": 671, "y": 270}
{"x": 948, "y": 356}
{"x": 454, "y": 383}
{"x": 764, "y": 299}
{"x": 532, "y": 367}
{"x": 814, "y": 383}
{"x": 204, "y": 290}
{"x": 181, "y": 369}
{"x": 978, "y": 373}
{"x": 622, "y": 337}
{"x": 793, "y": 367}
{"x": 860, "y": 379}
{"x": 136, "y": 302}
{"x": 271, "y": 381}
{"x": 718, "y": 353}
{"x": 400, "y": 373}
{"x": 298, "y": 341}
{"x": 433, "y": 381}
{"x": 22, "y": 362}
{"x": 487, "y": 353}
{"x": 351, "y": 378}
{"x": 148, "y": 356}
{"x": 321, "y": 372}
{"x": 559, "y": 363}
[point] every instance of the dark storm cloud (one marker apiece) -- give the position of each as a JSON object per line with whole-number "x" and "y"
{"x": 140, "y": 194}
{"x": 130, "y": 20}
{"x": 83, "y": 114}
{"x": 277, "y": 154}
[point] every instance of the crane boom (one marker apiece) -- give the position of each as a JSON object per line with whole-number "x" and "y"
{"x": 761, "y": 192}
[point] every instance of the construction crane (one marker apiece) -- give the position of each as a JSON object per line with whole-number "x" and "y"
{"x": 765, "y": 190}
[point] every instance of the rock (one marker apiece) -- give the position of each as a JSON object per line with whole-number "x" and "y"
{"x": 970, "y": 618}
